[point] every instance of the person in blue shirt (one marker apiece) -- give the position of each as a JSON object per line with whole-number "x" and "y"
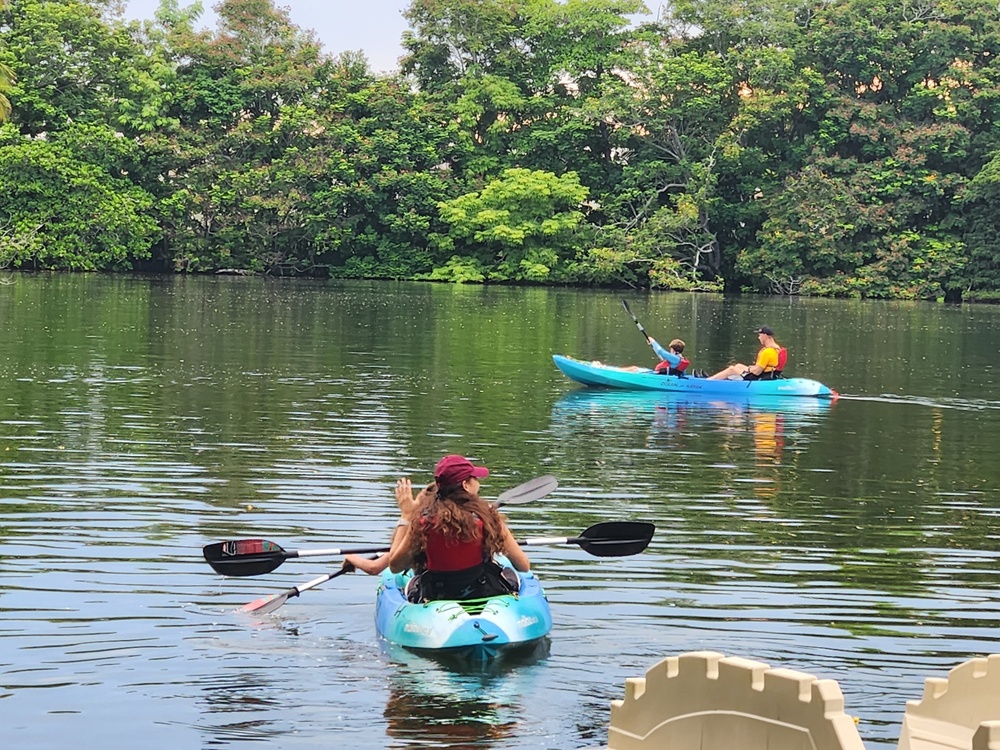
{"x": 672, "y": 358}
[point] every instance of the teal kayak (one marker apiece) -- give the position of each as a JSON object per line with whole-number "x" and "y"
{"x": 596, "y": 374}
{"x": 477, "y": 630}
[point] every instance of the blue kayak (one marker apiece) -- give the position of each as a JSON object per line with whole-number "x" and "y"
{"x": 609, "y": 376}
{"x": 477, "y": 630}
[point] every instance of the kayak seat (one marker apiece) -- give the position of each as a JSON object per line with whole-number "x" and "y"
{"x": 482, "y": 581}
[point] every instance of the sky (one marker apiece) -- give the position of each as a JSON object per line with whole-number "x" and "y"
{"x": 373, "y": 26}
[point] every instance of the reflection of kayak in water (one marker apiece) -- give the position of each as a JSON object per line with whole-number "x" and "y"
{"x": 444, "y": 672}
{"x": 612, "y": 402}
{"x": 609, "y": 376}
{"x": 477, "y": 630}
{"x": 437, "y": 702}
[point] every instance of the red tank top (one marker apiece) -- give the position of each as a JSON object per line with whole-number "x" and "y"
{"x": 445, "y": 553}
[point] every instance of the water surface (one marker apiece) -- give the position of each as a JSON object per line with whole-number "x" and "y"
{"x": 145, "y": 417}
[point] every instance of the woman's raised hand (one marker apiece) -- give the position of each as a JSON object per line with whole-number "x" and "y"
{"x": 404, "y": 497}
{"x": 404, "y": 493}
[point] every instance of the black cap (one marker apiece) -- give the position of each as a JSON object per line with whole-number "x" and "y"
{"x": 766, "y": 330}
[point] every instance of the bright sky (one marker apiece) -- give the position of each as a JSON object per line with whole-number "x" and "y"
{"x": 373, "y": 26}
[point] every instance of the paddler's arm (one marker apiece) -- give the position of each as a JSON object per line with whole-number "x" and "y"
{"x": 374, "y": 567}
{"x": 767, "y": 357}
{"x": 366, "y": 565}
{"x": 399, "y": 556}
{"x": 665, "y": 354}
{"x": 514, "y": 552}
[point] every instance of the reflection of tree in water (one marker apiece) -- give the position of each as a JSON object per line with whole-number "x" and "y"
{"x": 455, "y": 721}
{"x": 435, "y": 703}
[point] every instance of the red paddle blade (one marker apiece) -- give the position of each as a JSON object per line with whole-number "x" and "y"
{"x": 266, "y": 604}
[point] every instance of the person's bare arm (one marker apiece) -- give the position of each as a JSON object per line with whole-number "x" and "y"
{"x": 514, "y": 552}
{"x": 399, "y": 556}
{"x": 366, "y": 565}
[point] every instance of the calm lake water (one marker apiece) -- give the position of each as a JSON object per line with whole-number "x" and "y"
{"x": 145, "y": 417}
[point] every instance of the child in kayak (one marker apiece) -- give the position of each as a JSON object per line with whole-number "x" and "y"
{"x": 672, "y": 360}
{"x": 450, "y": 536}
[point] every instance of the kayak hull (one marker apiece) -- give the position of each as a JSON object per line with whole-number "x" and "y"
{"x": 476, "y": 631}
{"x": 608, "y": 376}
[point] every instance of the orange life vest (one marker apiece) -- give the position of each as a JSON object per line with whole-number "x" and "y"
{"x": 782, "y": 358}
{"x": 664, "y": 367}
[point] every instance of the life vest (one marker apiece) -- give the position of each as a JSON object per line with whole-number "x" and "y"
{"x": 664, "y": 367}
{"x": 444, "y": 553}
{"x": 775, "y": 373}
{"x": 782, "y": 359}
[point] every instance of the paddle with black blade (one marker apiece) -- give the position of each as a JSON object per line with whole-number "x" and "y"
{"x": 605, "y": 539}
{"x": 254, "y": 557}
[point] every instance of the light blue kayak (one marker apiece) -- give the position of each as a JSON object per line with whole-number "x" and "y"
{"x": 608, "y": 376}
{"x": 476, "y": 631}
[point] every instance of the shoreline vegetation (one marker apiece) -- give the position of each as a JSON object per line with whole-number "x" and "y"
{"x": 846, "y": 149}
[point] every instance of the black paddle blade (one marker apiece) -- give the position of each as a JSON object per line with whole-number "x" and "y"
{"x": 616, "y": 538}
{"x": 245, "y": 557}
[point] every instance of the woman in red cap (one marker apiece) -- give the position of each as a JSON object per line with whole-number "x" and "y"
{"x": 451, "y": 535}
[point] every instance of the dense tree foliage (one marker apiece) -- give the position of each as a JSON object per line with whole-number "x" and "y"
{"x": 847, "y": 149}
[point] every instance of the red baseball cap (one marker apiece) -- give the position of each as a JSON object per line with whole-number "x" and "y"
{"x": 453, "y": 470}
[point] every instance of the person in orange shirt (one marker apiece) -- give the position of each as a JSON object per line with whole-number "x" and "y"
{"x": 763, "y": 368}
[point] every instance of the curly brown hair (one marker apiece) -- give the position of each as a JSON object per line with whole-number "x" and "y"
{"x": 453, "y": 512}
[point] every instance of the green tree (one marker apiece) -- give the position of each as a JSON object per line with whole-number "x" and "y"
{"x": 980, "y": 279}
{"x": 676, "y": 121}
{"x": 522, "y": 78}
{"x": 383, "y": 156}
{"x": 6, "y": 78}
{"x": 61, "y": 212}
{"x": 517, "y": 228}
{"x": 233, "y": 177}
{"x": 73, "y": 65}
{"x": 71, "y": 200}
